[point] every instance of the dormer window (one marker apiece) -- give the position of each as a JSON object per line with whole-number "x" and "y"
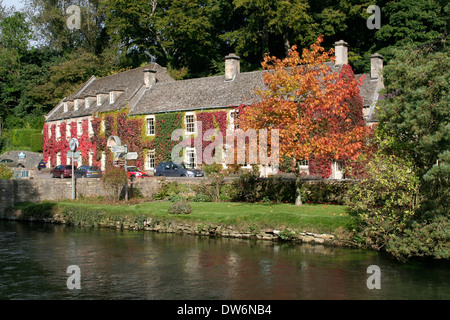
{"x": 75, "y": 105}
{"x": 99, "y": 100}
{"x": 66, "y": 107}
{"x": 111, "y": 97}
{"x": 86, "y": 102}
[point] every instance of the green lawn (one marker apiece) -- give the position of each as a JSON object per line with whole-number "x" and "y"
{"x": 313, "y": 218}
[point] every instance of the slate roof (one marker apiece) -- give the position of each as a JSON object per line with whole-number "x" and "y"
{"x": 127, "y": 84}
{"x": 168, "y": 95}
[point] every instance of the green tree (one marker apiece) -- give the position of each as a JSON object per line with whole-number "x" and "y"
{"x": 414, "y": 116}
{"x": 412, "y": 21}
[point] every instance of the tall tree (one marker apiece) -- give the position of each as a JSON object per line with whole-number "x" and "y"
{"x": 310, "y": 106}
{"x": 415, "y": 116}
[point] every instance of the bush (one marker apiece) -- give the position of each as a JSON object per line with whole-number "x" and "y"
{"x": 200, "y": 197}
{"x": 384, "y": 202}
{"x": 5, "y": 173}
{"x": 113, "y": 181}
{"x": 421, "y": 239}
{"x": 180, "y": 207}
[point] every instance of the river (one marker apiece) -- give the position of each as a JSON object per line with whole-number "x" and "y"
{"x": 135, "y": 265}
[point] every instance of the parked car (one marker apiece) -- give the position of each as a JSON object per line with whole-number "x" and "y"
{"x": 11, "y": 163}
{"x": 88, "y": 172}
{"x": 134, "y": 172}
{"x": 62, "y": 171}
{"x": 170, "y": 169}
{"x": 42, "y": 165}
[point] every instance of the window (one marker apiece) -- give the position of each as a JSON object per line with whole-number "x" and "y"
{"x": 150, "y": 125}
{"x": 79, "y": 128}
{"x": 75, "y": 105}
{"x": 234, "y": 119}
{"x": 304, "y": 163}
{"x": 150, "y": 160}
{"x": 111, "y": 97}
{"x": 68, "y": 130}
{"x": 190, "y": 162}
{"x": 189, "y": 120}
{"x": 86, "y": 102}
{"x": 58, "y": 131}
{"x": 66, "y": 107}
{"x": 90, "y": 128}
{"x": 99, "y": 100}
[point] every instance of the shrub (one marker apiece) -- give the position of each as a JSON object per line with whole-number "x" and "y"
{"x": 385, "y": 201}
{"x": 113, "y": 181}
{"x": 200, "y": 197}
{"x": 5, "y": 173}
{"x": 180, "y": 207}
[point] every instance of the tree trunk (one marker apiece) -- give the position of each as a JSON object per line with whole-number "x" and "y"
{"x": 298, "y": 185}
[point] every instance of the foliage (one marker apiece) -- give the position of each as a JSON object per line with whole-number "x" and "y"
{"x": 312, "y": 107}
{"x": 180, "y": 207}
{"x": 414, "y": 117}
{"x": 5, "y": 172}
{"x": 113, "y": 181}
{"x": 422, "y": 239}
{"x": 384, "y": 202}
{"x": 28, "y": 138}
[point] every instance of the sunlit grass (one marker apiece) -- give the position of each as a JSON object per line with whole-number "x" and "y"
{"x": 314, "y": 218}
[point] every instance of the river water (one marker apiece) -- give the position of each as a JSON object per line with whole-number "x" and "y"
{"x": 120, "y": 264}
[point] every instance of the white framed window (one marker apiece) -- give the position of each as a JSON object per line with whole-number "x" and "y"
{"x": 58, "y": 130}
{"x": 75, "y": 104}
{"x": 68, "y": 130}
{"x": 190, "y": 158}
{"x": 79, "y": 128}
{"x": 150, "y": 160}
{"x": 150, "y": 125}
{"x": 189, "y": 121}
{"x": 233, "y": 119}
{"x": 304, "y": 164}
{"x": 90, "y": 128}
{"x": 99, "y": 100}
{"x": 111, "y": 97}
{"x": 66, "y": 107}
{"x": 86, "y": 102}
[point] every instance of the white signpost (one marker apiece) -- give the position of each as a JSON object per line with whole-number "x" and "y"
{"x": 120, "y": 152}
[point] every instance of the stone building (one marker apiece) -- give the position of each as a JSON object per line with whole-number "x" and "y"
{"x": 149, "y": 93}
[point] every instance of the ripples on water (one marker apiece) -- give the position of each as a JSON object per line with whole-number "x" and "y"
{"x": 146, "y": 265}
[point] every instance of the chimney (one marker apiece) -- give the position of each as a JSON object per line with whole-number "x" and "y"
{"x": 149, "y": 77}
{"x": 341, "y": 52}
{"x": 376, "y": 65}
{"x": 232, "y": 66}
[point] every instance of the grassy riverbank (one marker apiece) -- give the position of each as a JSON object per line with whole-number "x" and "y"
{"x": 309, "y": 218}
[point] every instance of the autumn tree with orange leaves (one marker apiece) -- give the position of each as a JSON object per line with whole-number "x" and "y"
{"x": 311, "y": 106}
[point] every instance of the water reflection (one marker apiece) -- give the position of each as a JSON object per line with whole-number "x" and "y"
{"x": 145, "y": 265}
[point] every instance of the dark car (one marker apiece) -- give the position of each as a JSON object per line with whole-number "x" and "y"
{"x": 62, "y": 171}
{"x": 170, "y": 169}
{"x": 88, "y": 172}
{"x": 42, "y": 165}
{"x": 11, "y": 163}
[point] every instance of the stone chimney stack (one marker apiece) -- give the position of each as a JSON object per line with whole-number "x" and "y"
{"x": 232, "y": 66}
{"x": 341, "y": 52}
{"x": 376, "y": 65}
{"x": 149, "y": 77}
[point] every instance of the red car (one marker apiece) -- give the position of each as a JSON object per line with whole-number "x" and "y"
{"x": 62, "y": 171}
{"x": 134, "y": 172}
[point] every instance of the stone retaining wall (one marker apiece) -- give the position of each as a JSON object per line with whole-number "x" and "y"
{"x": 167, "y": 226}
